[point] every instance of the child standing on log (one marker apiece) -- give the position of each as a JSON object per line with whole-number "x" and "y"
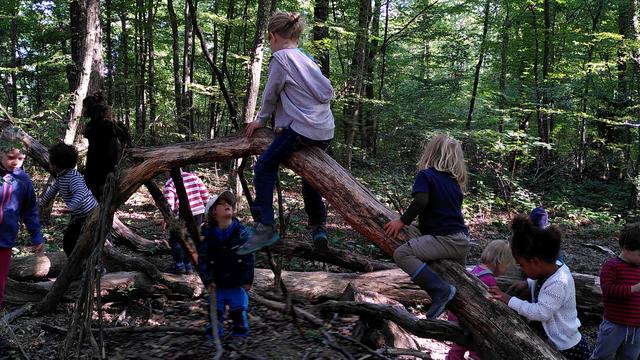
{"x": 553, "y": 291}
{"x": 222, "y": 270}
{"x": 495, "y": 260}
{"x": 619, "y": 333}
{"x": 17, "y": 203}
{"x": 69, "y": 182}
{"x": 437, "y": 202}
{"x": 298, "y": 96}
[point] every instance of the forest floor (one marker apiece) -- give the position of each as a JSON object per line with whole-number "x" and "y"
{"x": 273, "y": 334}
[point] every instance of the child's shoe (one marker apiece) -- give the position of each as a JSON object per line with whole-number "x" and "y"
{"x": 319, "y": 237}
{"x": 265, "y": 235}
{"x": 240, "y": 326}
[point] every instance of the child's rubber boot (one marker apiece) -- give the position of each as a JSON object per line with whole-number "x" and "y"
{"x": 439, "y": 291}
{"x": 265, "y": 235}
{"x": 240, "y": 323}
{"x": 319, "y": 237}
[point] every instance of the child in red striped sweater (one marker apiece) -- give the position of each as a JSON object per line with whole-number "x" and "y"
{"x": 620, "y": 282}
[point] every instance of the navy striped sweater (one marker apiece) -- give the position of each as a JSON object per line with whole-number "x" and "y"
{"x": 74, "y": 192}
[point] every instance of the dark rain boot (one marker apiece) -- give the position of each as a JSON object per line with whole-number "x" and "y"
{"x": 439, "y": 291}
{"x": 240, "y": 322}
{"x": 319, "y": 237}
{"x": 265, "y": 235}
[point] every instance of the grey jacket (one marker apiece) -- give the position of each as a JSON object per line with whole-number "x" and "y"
{"x": 299, "y": 95}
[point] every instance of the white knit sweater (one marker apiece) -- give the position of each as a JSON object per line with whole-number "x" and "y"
{"x": 555, "y": 309}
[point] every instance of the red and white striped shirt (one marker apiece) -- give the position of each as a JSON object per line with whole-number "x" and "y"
{"x": 621, "y": 306}
{"x": 196, "y": 192}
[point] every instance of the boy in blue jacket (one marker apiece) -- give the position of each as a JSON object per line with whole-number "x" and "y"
{"x": 17, "y": 203}
{"x": 220, "y": 268}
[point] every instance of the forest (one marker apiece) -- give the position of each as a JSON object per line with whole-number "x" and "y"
{"x": 544, "y": 96}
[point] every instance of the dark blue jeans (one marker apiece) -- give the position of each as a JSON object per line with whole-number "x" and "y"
{"x": 266, "y": 174}
{"x": 177, "y": 251}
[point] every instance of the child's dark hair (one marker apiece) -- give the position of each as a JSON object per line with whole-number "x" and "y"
{"x": 95, "y": 107}
{"x": 529, "y": 241}
{"x": 630, "y": 237}
{"x": 63, "y": 156}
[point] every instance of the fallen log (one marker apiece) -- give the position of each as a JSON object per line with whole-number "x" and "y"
{"x": 125, "y": 236}
{"x": 113, "y": 287}
{"x": 379, "y": 331}
{"x": 432, "y": 329}
{"x": 37, "y": 267}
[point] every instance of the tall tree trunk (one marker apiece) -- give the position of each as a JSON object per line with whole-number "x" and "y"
{"x": 370, "y": 121}
{"x": 582, "y": 130}
{"x": 502, "y": 79}
{"x": 255, "y": 64}
{"x": 15, "y": 61}
{"x": 124, "y": 58}
{"x": 91, "y": 66}
{"x": 321, "y": 34}
{"x": 353, "y": 108}
{"x": 152, "y": 71}
{"x": 187, "y": 95}
{"x": 476, "y": 77}
{"x": 110, "y": 69}
{"x": 384, "y": 49}
{"x": 546, "y": 92}
{"x": 177, "y": 80}
{"x": 141, "y": 55}
{"x": 534, "y": 25}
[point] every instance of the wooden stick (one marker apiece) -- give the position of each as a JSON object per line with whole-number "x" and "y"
{"x": 365, "y": 347}
{"x": 213, "y": 316}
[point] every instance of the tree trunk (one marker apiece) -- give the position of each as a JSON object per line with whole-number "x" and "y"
{"x": 255, "y": 64}
{"x": 546, "y": 67}
{"x": 321, "y": 34}
{"x": 502, "y": 79}
{"x": 141, "y": 55}
{"x": 151, "y": 86}
{"x": 15, "y": 61}
{"x": 476, "y": 76}
{"x": 110, "y": 68}
{"x": 370, "y": 121}
{"x": 90, "y": 66}
{"x": 177, "y": 80}
{"x": 187, "y": 95}
{"x": 124, "y": 55}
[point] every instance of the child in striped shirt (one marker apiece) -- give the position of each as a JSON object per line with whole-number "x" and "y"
{"x": 620, "y": 282}
{"x": 69, "y": 182}
{"x": 198, "y": 196}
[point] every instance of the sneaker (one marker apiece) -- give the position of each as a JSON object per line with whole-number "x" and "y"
{"x": 319, "y": 237}
{"x": 438, "y": 303}
{"x": 264, "y": 236}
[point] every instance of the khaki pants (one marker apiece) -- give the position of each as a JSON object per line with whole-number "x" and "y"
{"x": 417, "y": 251}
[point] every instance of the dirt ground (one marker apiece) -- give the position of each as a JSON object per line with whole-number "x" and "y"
{"x": 273, "y": 334}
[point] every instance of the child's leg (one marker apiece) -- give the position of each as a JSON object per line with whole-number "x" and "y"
{"x": 411, "y": 258}
{"x": 580, "y": 351}
{"x": 5, "y": 260}
{"x": 630, "y": 348}
{"x": 266, "y": 173}
{"x": 177, "y": 252}
{"x": 610, "y": 337}
{"x": 71, "y": 234}
{"x": 238, "y": 304}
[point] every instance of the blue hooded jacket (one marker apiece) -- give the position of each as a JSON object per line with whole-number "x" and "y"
{"x": 17, "y": 202}
{"x": 217, "y": 259}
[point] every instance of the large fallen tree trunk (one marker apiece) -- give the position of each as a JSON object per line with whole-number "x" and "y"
{"x": 113, "y": 286}
{"x": 498, "y": 332}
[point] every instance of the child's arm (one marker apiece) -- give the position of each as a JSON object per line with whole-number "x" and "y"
{"x": 29, "y": 215}
{"x": 270, "y": 96}
{"x": 49, "y": 194}
{"x": 204, "y": 193}
{"x": 550, "y": 299}
{"x": 169, "y": 193}
{"x": 418, "y": 204}
{"x": 249, "y": 260}
{"x": 611, "y": 288}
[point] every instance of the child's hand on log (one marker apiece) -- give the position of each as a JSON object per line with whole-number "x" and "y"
{"x": 518, "y": 286}
{"x": 246, "y": 287}
{"x": 251, "y": 128}
{"x": 39, "y": 249}
{"x": 499, "y": 295}
{"x": 393, "y": 227}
